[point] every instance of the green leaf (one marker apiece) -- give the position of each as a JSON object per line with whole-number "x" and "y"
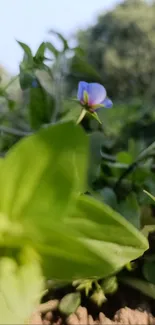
{"x": 52, "y": 49}
{"x": 71, "y": 111}
{"x": 45, "y": 79}
{"x": 149, "y": 271}
{"x": 26, "y": 77}
{"x": 41, "y": 107}
{"x": 70, "y": 303}
{"x": 21, "y": 288}
{"x": 146, "y": 288}
{"x": 124, "y": 158}
{"x": 27, "y": 51}
{"x": 150, "y": 195}
{"x": 80, "y": 67}
{"x": 39, "y": 56}
{"x": 26, "y": 67}
{"x": 148, "y": 229}
{"x": 109, "y": 197}
{"x": 11, "y": 104}
{"x": 107, "y": 234}
{"x": 62, "y": 39}
{"x": 41, "y": 179}
{"x": 36, "y": 175}
{"x": 95, "y": 116}
{"x": 130, "y": 209}
{"x": 110, "y": 285}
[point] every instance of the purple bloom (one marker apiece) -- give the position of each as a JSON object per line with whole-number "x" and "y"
{"x": 93, "y": 96}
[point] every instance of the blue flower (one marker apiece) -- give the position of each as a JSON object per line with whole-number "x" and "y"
{"x": 93, "y": 96}
{"x": 34, "y": 83}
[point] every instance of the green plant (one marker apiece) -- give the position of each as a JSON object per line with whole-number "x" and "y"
{"x": 73, "y": 194}
{"x": 42, "y": 205}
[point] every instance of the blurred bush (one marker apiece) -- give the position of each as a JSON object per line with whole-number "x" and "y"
{"x": 121, "y": 47}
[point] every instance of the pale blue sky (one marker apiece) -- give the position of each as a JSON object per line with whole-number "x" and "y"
{"x": 29, "y": 21}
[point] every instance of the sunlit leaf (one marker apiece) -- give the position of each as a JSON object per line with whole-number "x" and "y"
{"x": 105, "y": 233}
{"x": 36, "y": 175}
{"x": 21, "y": 288}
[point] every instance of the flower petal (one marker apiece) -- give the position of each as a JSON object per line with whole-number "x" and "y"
{"x": 107, "y": 103}
{"x": 97, "y": 93}
{"x": 83, "y": 86}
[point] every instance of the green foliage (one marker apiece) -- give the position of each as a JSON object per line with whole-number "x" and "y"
{"x": 41, "y": 106}
{"x": 75, "y": 194}
{"x": 149, "y": 271}
{"x": 35, "y": 177}
{"x": 125, "y": 68}
{"x": 145, "y": 287}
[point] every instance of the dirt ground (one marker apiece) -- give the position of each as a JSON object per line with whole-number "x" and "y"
{"x": 127, "y": 306}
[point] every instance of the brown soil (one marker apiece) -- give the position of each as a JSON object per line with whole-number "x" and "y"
{"x": 127, "y": 306}
{"x": 81, "y": 317}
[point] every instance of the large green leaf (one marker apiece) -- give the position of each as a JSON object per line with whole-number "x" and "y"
{"x": 107, "y": 234}
{"x": 94, "y": 241}
{"x": 40, "y": 203}
{"x": 113, "y": 227}
{"x": 39, "y": 176}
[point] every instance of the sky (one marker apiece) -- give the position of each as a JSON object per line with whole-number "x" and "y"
{"x": 30, "y": 20}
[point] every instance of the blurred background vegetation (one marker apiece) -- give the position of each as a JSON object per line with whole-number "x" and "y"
{"x": 119, "y": 52}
